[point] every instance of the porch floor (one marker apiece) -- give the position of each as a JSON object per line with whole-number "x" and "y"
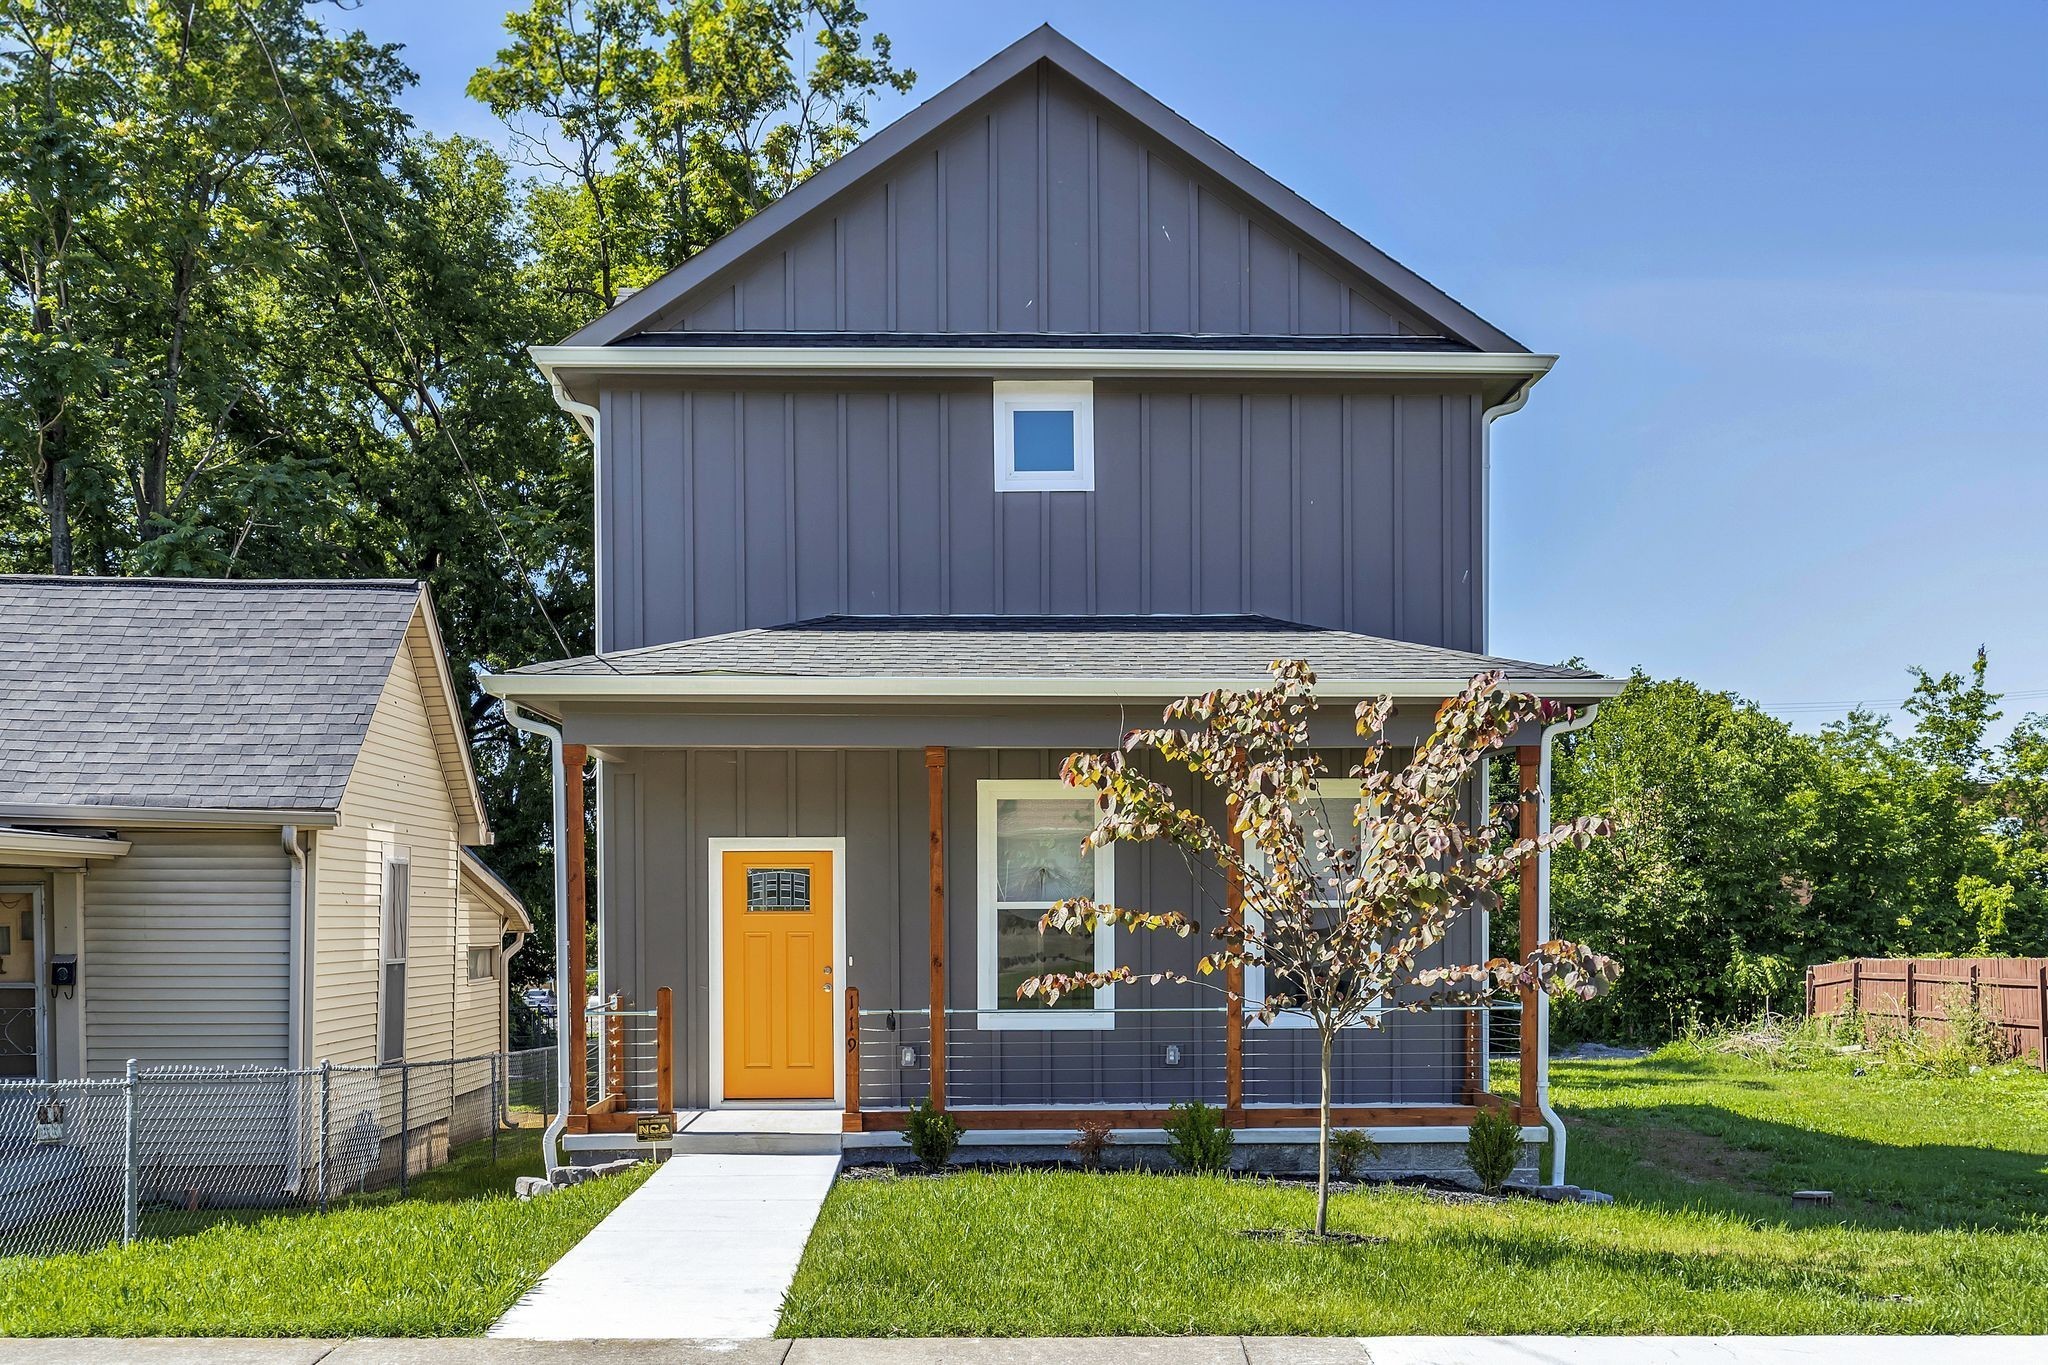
{"x": 706, "y": 1248}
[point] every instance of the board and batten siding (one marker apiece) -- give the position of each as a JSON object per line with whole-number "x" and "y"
{"x": 661, "y": 807}
{"x": 1041, "y": 209}
{"x": 397, "y": 797}
{"x": 186, "y": 951}
{"x": 724, "y": 508}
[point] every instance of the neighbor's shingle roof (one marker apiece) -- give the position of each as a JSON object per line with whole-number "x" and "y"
{"x": 1227, "y": 648}
{"x": 190, "y": 693}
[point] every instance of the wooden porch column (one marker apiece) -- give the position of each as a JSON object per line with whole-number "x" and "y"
{"x": 1529, "y": 760}
{"x": 935, "y": 792}
{"x": 850, "y": 1120}
{"x": 1233, "y": 995}
{"x": 664, "y": 1051}
{"x": 570, "y": 931}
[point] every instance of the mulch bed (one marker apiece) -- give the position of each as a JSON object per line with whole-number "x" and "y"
{"x": 1441, "y": 1190}
{"x": 1302, "y": 1237}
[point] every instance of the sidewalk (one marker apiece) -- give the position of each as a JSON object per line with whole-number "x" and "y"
{"x": 704, "y": 1250}
{"x": 1049, "y": 1351}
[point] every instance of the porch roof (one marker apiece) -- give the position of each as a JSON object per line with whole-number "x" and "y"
{"x": 1026, "y": 658}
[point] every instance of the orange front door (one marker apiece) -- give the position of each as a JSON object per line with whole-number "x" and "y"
{"x": 779, "y": 1018}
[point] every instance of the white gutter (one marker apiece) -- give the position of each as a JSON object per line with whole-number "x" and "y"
{"x": 1550, "y": 1118}
{"x": 551, "y": 1138}
{"x": 756, "y": 686}
{"x": 169, "y": 817}
{"x": 990, "y": 360}
{"x": 505, "y": 957}
{"x": 584, "y": 413}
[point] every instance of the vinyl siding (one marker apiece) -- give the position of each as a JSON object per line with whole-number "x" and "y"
{"x": 479, "y": 1005}
{"x": 1042, "y": 209}
{"x": 397, "y": 797}
{"x": 187, "y": 951}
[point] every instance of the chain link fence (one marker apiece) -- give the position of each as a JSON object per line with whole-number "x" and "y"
{"x": 167, "y": 1150}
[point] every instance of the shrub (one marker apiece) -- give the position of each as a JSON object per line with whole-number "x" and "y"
{"x": 1494, "y": 1147}
{"x": 1196, "y": 1139}
{"x": 932, "y": 1133}
{"x": 1092, "y": 1138}
{"x": 1349, "y": 1147}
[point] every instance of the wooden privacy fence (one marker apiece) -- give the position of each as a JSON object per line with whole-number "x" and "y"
{"x": 2011, "y": 991}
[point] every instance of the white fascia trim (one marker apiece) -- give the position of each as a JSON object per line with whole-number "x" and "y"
{"x": 755, "y": 687}
{"x": 556, "y": 361}
{"x": 172, "y": 817}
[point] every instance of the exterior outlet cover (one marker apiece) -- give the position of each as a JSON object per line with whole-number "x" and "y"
{"x": 1173, "y": 1054}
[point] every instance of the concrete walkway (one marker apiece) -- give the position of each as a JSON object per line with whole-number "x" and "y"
{"x": 705, "y": 1249}
{"x": 1097, "y": 1351}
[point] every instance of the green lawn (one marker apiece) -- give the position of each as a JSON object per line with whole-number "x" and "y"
{"x": 444, "y": 1261}
{"x": 1941, "y": 1225}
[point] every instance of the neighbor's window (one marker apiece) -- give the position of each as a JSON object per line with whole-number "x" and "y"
{"x": 1029, "y": 855}
{"x": 397, "y": 927}
{"x": 1335, "y": 806}
{"x": 1045, "y": 437}
{"x": 483, "y": 963}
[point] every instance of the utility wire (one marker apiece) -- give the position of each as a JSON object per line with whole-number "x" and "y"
{"x": 416, "y": 370}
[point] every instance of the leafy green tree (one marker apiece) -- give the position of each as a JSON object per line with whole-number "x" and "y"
{"x": 661, "y": 125}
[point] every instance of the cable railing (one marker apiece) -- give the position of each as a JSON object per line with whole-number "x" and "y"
{"x": 1149, "y": 1058}
{"x": 629, "y": 1067}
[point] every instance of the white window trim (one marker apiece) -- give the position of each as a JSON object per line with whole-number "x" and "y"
{"x": 1014, "y": 396}
{"x": 394, "y": 949}
{"x": 1338, "y": 788}
{"x": 989, "y": 1013}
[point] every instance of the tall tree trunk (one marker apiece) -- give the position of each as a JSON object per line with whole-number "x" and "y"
{"x": 57, "y": 500}
{"x": 1323, "y": 1145}
{"x": 156, "y": 474}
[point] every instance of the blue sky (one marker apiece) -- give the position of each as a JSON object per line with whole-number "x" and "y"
{"x": 1794, "y": 257}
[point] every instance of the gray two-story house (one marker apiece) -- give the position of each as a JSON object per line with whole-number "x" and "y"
{"x": 1036, "y": 411}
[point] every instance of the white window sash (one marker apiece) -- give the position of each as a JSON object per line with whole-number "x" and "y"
{"x": 1015, "y": 397}
{"x": 1339, "y": 789}
{"x": 990, "y": 1012}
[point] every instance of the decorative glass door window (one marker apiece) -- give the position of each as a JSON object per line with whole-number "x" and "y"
{"x": 779, "y": 889}
{"x": 1031, "y": 855}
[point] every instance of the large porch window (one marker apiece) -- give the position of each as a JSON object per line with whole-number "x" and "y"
{"x": 1334, "y": 808}
{"x": 1029, "y": 855}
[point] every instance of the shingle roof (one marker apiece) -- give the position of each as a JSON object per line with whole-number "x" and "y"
{"x": 1225, "y": 648}
{"x": 190, "y": 693}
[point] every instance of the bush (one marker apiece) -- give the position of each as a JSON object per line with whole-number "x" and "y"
{"x": 1197, "y": 1141}
{"x": 1494, "y": 1147}
{"x": 1092, "y": 1138}
{"x": 932, "y": 1133}
{"x": 1349, "y": 1147}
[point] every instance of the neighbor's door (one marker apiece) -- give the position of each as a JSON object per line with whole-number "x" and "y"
{"x": 779, "y": 1016}
{"x": 21, "y": 988}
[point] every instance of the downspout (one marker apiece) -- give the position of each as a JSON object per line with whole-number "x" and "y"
{"x": 1514, "y": 402}
{"x": 1550, "y": 1118}
{"x": 295, "y": 987}
{"x": 505, "y": 957}
{"x": 551, "y": 1138}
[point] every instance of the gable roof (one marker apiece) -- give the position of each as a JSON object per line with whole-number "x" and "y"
{"x": 1028, "y": 656}
{"x": 1045, "y": 44}
{"x": 203, "y": 695}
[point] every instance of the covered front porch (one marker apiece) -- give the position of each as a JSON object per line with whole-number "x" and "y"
{"x": 801, "y": 911}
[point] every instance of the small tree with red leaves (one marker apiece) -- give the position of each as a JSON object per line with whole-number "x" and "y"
{"x": 1337, "y": 918}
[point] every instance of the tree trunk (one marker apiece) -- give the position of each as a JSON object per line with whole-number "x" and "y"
{"x": 1323, "y": 1147}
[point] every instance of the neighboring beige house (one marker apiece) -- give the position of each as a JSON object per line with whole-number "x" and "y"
{"x": 234, "y": 830}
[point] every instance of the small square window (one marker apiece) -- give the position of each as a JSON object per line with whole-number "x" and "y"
{"x": 483, "y": 963}
{"x": 1045, "y": 437}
